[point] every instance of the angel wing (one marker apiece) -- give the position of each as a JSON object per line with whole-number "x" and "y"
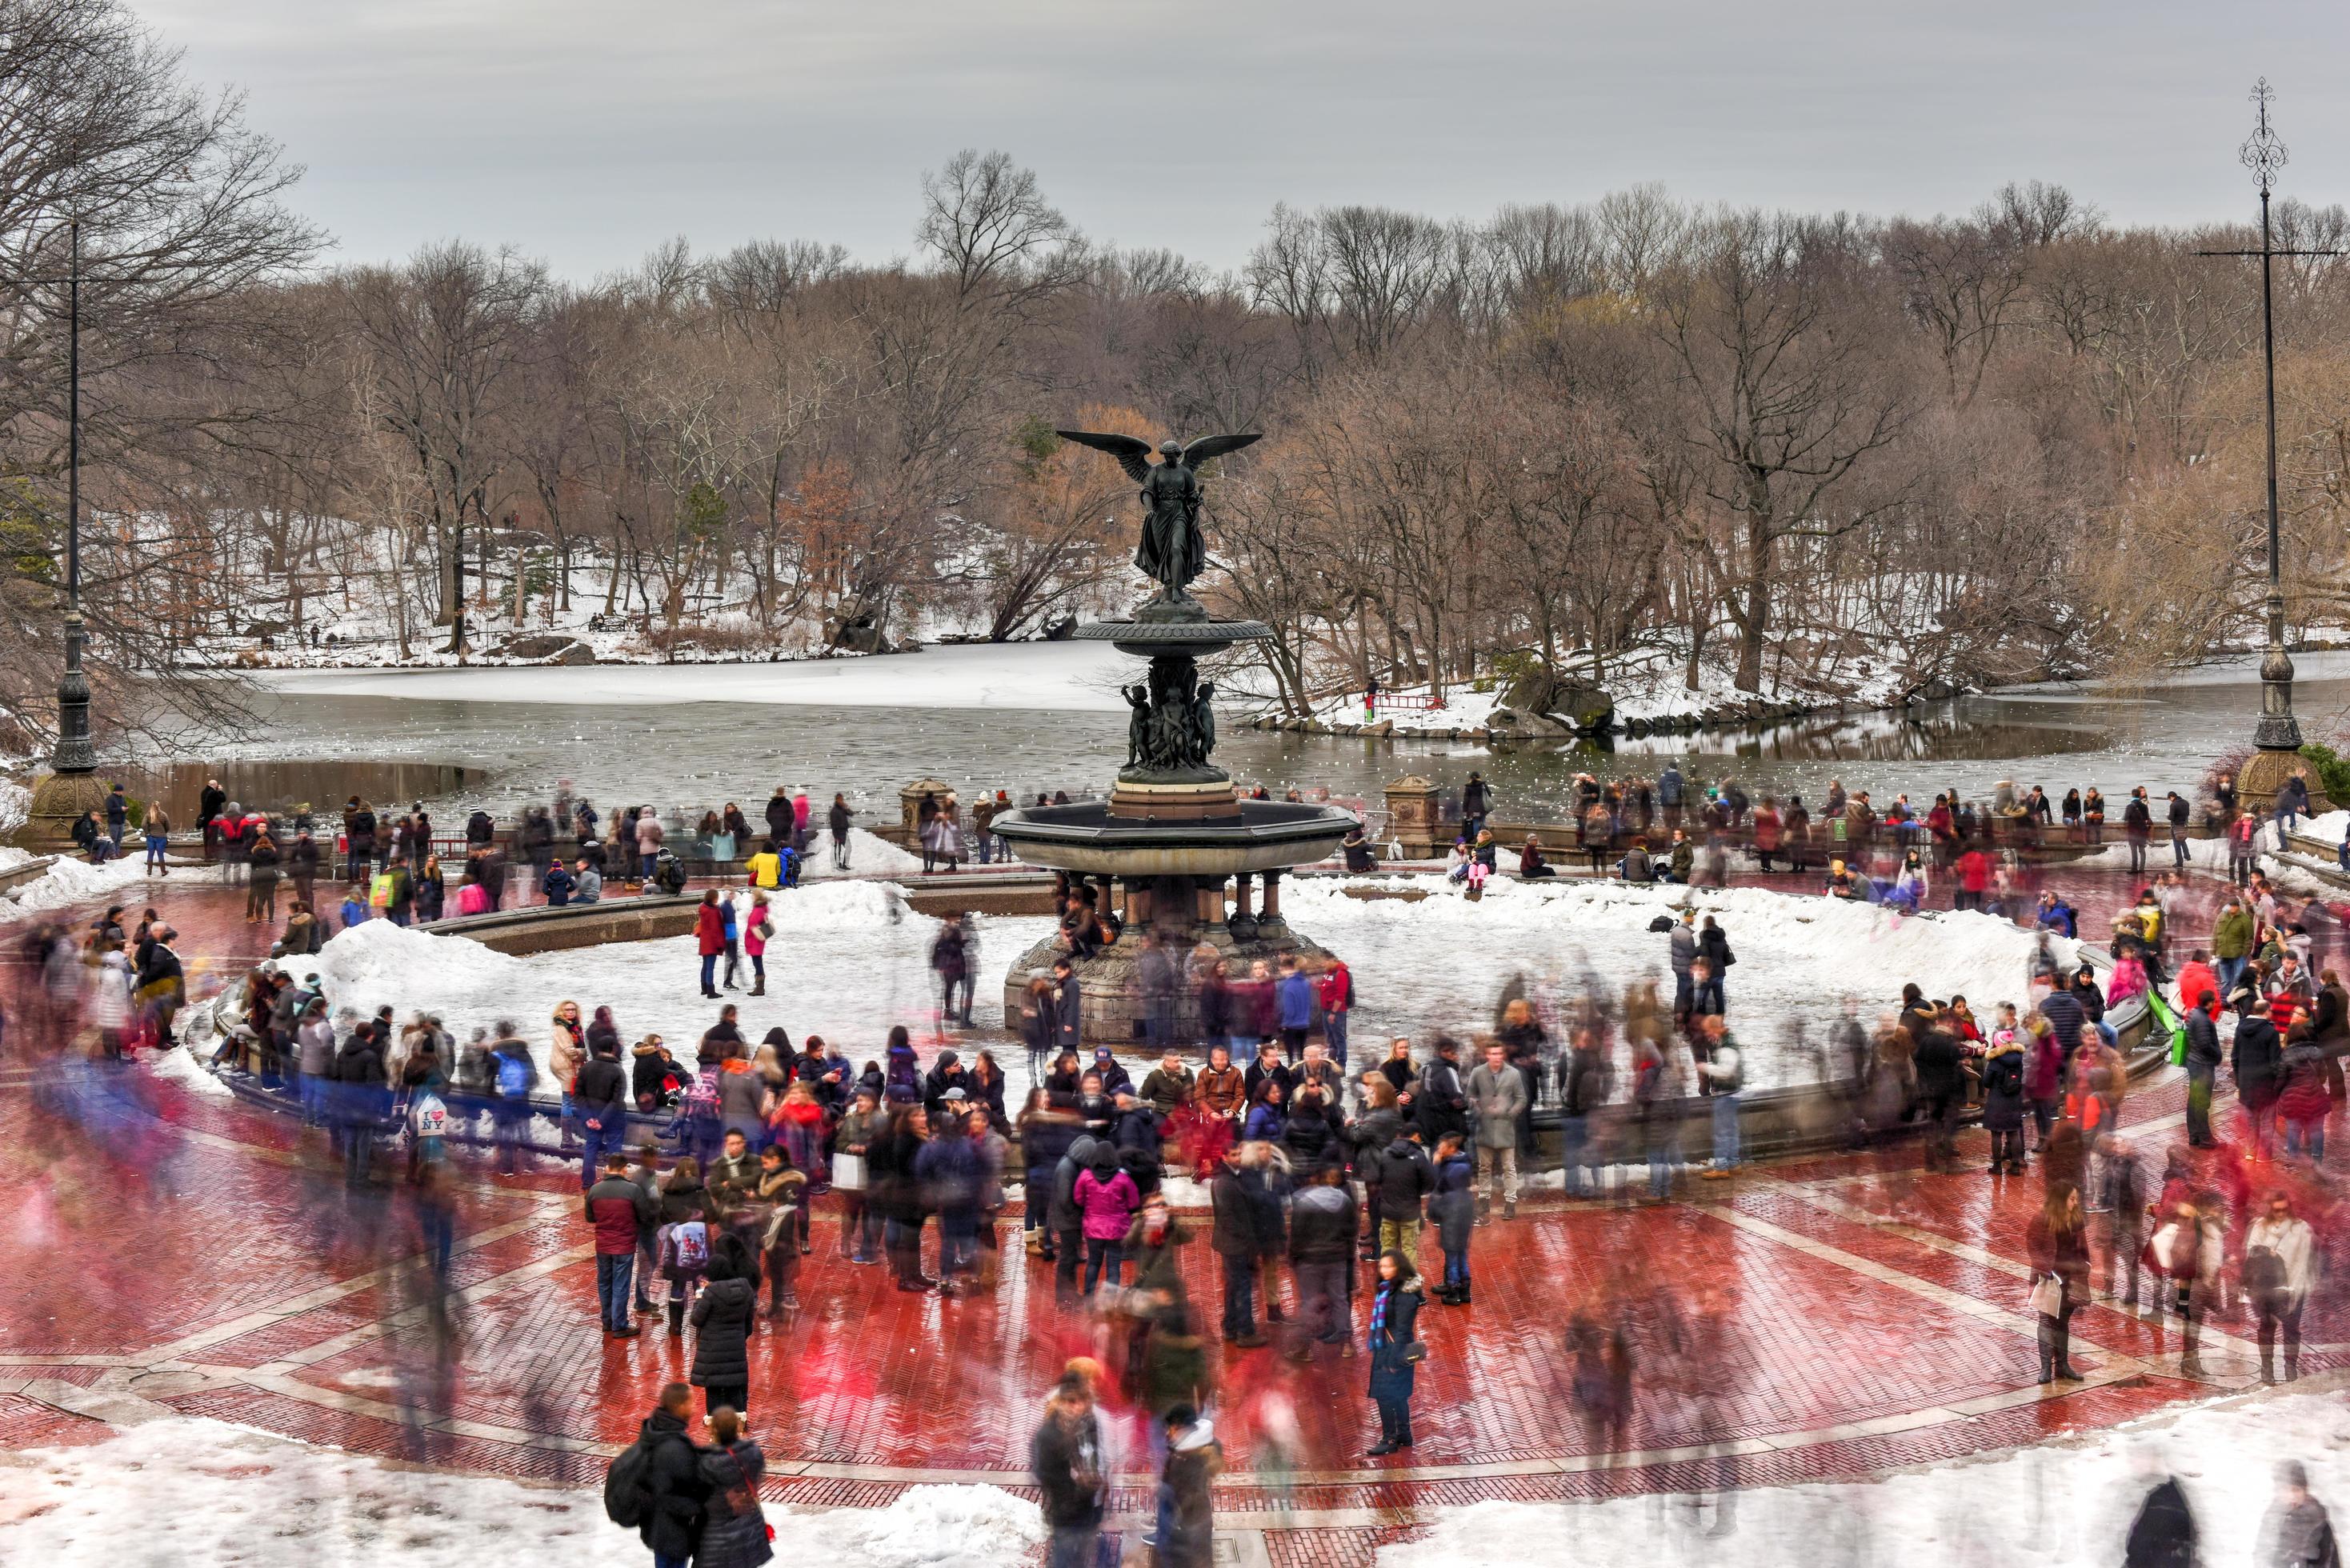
{"x": 1206, "y": 447}
{"x": 1133, "y": 453}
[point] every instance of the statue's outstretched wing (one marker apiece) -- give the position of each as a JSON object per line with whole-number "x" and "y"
{"x": 1206, "y": 447}
{"x": 1133, "y": 453}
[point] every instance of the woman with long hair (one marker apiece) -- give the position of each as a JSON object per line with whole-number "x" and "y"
{"x": 567, "y": 1053}
{"x": 1396, "y": 1349}
{"x": 2057, "y": 1239}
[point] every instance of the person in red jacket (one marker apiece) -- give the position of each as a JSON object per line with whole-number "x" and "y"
{"x": 709, "y": 932}
{"x": 1335, "y": 991}
{"x": 617, "y": 1208}
{"x": 2197, "y": 979}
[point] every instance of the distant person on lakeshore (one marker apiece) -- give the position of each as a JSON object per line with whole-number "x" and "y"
{"x": 155, "y": 826}
{"x": 648, "y": 837}
{"x": 1476, "y": 803}
{"x": 836, "y": 823}
{"x": 210, "y": 801}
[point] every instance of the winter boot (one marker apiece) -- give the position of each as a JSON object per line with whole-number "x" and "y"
{"x": 2268, "y": 1365}
{"x": 759, "y": 986}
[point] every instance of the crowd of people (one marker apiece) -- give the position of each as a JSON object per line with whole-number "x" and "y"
{"x": 1336, "y": 1196}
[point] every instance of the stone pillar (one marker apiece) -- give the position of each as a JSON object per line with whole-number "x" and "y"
{"x": 1411, "y": 816}
{"x": 910, "y": 809}
{"x": 1241, "y": 922}
{"x": 1272, "y": 910}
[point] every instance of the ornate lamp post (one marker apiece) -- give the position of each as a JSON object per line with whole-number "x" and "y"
{"x": 2277, "y": 738}
{"x": 72, "y": 785}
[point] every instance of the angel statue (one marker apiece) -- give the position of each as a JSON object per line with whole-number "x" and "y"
{"x": 1138, "y": 725}
{"x": 1172, "y": 550}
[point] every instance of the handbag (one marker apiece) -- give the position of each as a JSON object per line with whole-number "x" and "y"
{"x": 849, "y": 1172}
{"x": 1414, "y": 1351}
{"x": 2048, "y": 1296}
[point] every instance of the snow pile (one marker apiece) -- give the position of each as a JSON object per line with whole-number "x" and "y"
{"x": 2054, "y": 1506}
{"x": 178, "y": 1064}
{"x": 868, "y": 855}
{"x": 72, "y": 881}
{"x": 16, "y": 804}
{"x": 849, "y": 960}
{"x": 1440, "y": 962}
{"x": 186, "y": 1489}
{"x": 375, "y": 962}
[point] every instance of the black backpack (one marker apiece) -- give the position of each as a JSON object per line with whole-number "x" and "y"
{"x": 628, "y": 1485}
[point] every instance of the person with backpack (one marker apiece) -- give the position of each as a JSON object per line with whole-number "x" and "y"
{"x": 684, "y": 1259}
{"x": 516, "y": 1075}
{"x": 655, "y": 1485}
{"x": 1454, "y": 1209}
{"x": 735, "y": 1534}
{"x": 616, "y": 1208}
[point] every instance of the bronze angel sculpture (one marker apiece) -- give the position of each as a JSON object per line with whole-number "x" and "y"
{"x": 1172, "y": 550}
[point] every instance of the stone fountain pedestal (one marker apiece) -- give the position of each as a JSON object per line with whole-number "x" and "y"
{"x": 1173, "y": 849}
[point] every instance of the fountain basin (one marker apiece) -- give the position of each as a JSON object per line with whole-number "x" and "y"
{"x": 1086, "y": 836}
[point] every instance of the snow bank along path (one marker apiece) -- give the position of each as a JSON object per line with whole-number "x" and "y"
{"x": 2059, "y": 1505}
{"x": 849, "y": 960}
{"x": 190, "y": 1490}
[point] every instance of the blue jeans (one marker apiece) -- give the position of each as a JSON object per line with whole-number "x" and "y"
{"x": 613, "y": 1274}
{"x": 156, "y": 844}
{"x": 662, "y": 1560}
{"x": 1664, "y": 1159}
{"x": 1574, "y": 1154}
{"x": 1334, "y": 1031}
{"x": 649, "y": 861}
{"x": 609, "y": 1138}
{"x": 2231, "y": 970}
{"x": 709, "y": 973}
{"x": 1725, "y": 1131}
{"x": 958, "y": 1242}
{"x": 1456, "y": 1266}
{"x": 1099, "y": 1252}
{"x": 986, "y": 848}
{"x": 2316, "y": 1140}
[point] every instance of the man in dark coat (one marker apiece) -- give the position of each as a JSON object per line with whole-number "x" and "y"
{"x": 361, "y": 1094}
{"x": 1236, "y": 1238}
{"x": 601, "y": 1094}
{"x": 724, "y": 1313}
{"x": 681, "y": 1498}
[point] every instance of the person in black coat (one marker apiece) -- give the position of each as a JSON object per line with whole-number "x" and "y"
{"x": 723, "y": 1317}
{"x": 673, "y": 1525}
{"x": 1437, "y": 1102}
{"x": 2002, "y": 1112}
{"x": 2259, "y": 1066}
{"x": 362, "y": 1094}
{"x": 2163, "y": 1533}
{"x": 1395, "y": 1317}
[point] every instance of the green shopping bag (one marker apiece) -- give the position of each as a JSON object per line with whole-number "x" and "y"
{"x": 2164, "y": 1017}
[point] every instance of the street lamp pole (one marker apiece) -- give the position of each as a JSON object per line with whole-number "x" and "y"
{"x": 73, "y": 754}
{"x": 2276, "y": 739}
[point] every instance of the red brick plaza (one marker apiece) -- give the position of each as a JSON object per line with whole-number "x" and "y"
{"x": 165, "y": 1248}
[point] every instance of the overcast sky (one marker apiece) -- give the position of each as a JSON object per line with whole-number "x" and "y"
{"x": 586, "y": 131}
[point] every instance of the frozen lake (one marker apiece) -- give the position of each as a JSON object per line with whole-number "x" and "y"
{"x": 1030, "y": 716}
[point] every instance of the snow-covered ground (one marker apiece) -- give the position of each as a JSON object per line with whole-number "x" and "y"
{"x": 1440, "y": 962}
{"x": 2063, "y": 1504}
{"x": 849, "y": 960}
{"x": 186, "y": 1491}
{"x": 72, "y": 881}
{"x": 1646, "y": 686}
{"x": 1025, "y": 675}
{"x": 189, "y": 1490}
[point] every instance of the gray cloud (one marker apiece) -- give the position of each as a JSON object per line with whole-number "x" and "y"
{"x": 588, "y": 130}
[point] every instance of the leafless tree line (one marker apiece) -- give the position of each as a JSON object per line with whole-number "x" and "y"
{"x": 1807, "y": 451}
